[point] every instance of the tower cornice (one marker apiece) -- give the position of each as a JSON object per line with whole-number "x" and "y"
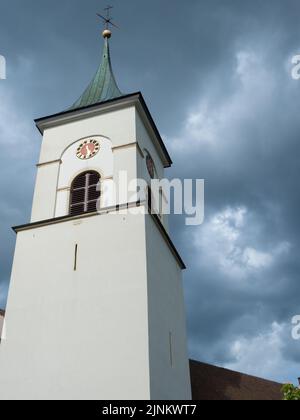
{"x": 103, "y": 212}
{"x": 135, "y": 99}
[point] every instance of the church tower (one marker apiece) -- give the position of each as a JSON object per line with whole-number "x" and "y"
{"x": 95, "y": 307}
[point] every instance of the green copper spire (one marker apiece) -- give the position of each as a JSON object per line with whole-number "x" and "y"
{"x": 104, "y": 86}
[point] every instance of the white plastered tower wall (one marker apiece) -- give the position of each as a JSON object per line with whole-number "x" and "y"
{"x": 1, "y": 325}
{"x": 169, "y": 363}
{"x": 78, "y": 334}
{"x": 147, "y": 146}
{"x": 114, "y": 327}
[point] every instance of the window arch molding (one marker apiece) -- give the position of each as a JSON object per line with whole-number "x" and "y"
{"x": 85, "y": 192}
{"x": 99, "y": 137}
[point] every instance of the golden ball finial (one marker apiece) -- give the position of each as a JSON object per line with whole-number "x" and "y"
{"x": 106, "y": 33}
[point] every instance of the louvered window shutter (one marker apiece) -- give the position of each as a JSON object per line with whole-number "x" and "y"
{"x": 85, "y": 193}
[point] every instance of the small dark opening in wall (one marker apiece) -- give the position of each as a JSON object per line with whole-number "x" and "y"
{"x": 75, "y": 257}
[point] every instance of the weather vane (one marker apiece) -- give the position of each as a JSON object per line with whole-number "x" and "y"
{"x": 107, "y": 21}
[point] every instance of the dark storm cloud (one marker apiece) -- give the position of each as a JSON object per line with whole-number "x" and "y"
{"x": 244, "y": 140}
{"x": 216, "y": 75}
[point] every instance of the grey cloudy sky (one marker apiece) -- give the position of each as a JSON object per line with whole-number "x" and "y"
{"x": 216, "y": 75}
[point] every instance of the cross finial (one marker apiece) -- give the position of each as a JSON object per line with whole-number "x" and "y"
{"x": 107, "y": 21}
{"x": 107, "y": 10}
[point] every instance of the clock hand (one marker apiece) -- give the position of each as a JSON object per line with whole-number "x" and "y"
{"x": 89, "y": 152}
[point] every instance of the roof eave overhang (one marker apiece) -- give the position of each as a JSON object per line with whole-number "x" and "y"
{"x": 117, "y": 103}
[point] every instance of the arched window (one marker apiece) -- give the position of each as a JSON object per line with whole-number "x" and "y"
{"x": 85, "y": 192}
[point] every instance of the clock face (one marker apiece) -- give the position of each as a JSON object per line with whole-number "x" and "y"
{"x": 150, "y": 166}
{"x": 88, "y": 149}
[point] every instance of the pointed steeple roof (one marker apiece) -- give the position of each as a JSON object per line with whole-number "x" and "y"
{"x": 103, "y": 87}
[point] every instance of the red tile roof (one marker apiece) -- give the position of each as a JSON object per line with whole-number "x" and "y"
{"x": 210, "y": 383}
